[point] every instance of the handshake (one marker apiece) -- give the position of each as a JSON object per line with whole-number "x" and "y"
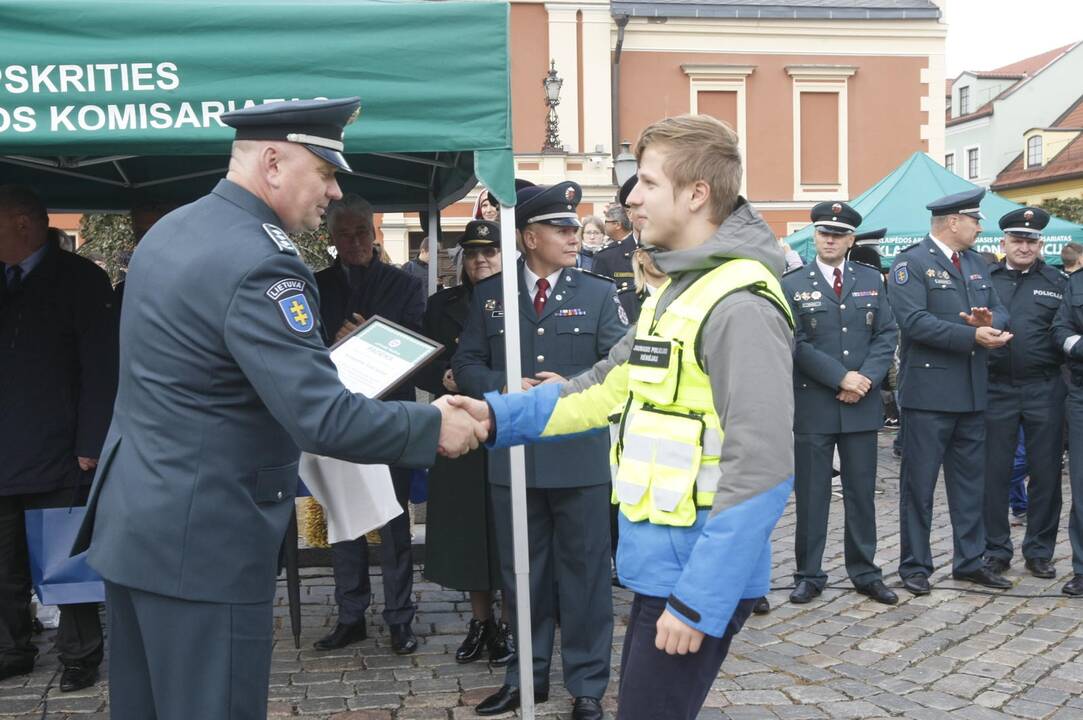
{"x": 464, "y": 424}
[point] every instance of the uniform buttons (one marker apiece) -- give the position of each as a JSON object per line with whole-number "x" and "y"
{"x": 842, "y": 307}
{"x": 560, "y": 297}
{"x": 541, "y": 331}
{"x": 971, "y": 352}
{"x": 279, "y": 495}
{"x": 540, "y": 358}
{"x": 926, "y": 364}
{"x": 804, "y": 385}
{"x": 575, "y": 330}
{"x": 501, "y": 331}
{"x": 845, "y": 352}
{"x": 844, "y": 329}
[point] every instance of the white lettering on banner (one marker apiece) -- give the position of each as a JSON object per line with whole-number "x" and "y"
{"x": 69, "y": 78}
{"x": 21, "y": 119}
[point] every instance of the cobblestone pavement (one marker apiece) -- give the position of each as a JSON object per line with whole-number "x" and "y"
{"x": 957, "y": 653}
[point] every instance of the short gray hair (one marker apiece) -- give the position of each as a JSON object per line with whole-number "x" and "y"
{"x": 349, "y": 203}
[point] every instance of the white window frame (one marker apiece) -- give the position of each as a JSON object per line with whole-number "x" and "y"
{"x": 724, "y": 78}
{"x": 824, "y": 79}
{"x": 949, "y": 166}
{"x": 966, "y": 162}
{"x": 1041, "y": 151}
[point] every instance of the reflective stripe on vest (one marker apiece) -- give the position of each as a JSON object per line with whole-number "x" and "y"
{"x": 670, "y": 438}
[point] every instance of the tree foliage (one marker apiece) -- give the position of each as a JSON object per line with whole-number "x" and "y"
{"x": 1070, "y": 209}
{"x": 109, "y": 236}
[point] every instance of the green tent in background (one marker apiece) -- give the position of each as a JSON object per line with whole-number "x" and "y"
{"x": 898, "y": 202}
{"x": 106, "y": 102}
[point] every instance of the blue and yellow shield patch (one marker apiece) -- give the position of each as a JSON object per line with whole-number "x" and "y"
{"x": 902, "y": 275}
{"x": 298, "y": 313}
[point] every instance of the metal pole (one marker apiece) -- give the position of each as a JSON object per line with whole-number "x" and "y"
{"x": 434, "y": 247}
{"x": 517, "y": 456}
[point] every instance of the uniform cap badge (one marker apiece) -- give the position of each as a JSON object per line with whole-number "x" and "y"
{"x": 483, "y": 231}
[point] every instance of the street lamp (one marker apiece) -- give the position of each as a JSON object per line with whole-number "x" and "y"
{"x": 552, "y": 84}
{"x": 624, "y": 165}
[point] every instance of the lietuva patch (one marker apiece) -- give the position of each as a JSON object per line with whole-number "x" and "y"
{"x": 280, "y": 239}
{"x": 901, "y": 274}
{"x": 289, "y": 295}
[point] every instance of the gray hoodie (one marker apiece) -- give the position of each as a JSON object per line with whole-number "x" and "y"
{"x": 746, "y": 347}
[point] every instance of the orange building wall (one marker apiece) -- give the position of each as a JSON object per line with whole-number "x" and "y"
{"x": 884, "y": 114}
{"x": 529, "y": 63}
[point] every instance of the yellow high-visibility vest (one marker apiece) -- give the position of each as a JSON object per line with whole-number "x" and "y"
{"x": 667, "y": 445}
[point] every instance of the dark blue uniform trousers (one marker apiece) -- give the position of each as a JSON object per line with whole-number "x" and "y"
{"x": 654, "y": 685}
{"x": 956, "y": 441}
{"x": 350, "y": 562}
{"x": 173, "y": 659}
{"x": 1075, "y": 472}
{"x": 568, "y": 539}
{"x": 1039, "y": 407}
{"x": 813, "y": 455}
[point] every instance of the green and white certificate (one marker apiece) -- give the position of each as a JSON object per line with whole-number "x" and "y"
{"x": 378, "y": 356}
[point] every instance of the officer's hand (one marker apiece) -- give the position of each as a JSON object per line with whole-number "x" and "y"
{"x": 529, "y": 383}
{"x": 348, "y": 327}
{"x": 545, "y": 378}
{"x": 86, "y": 464}
{"x": 978, "y": 317}
{"x": 460, "y": 432}
{"x": 449, "y": 381}
{"x": 855, "y": 382}
{"x": 478, "y": 409}
{"x": 674, "y": 637}
{"x": 850, "y": 398}
{"x": 990, "y": 338}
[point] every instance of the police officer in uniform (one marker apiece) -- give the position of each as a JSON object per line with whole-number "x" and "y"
{"x": 950, "y": 317}
{"x": 615, "y": 261}
{"x": 570, "y": 319}
{"x": 1025, "y": 386}
{"x": 224, "y": 380}
{"x": 1067, "y": 330}
{"x": 844, "y": 340}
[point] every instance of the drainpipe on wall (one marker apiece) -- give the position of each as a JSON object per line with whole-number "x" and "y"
{"x": 614, "y": 90}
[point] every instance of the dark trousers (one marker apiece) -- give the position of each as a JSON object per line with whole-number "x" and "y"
{"x": 568, "y": 541}
{"x": 956, "y": 441}
{"x": 79, "y": 637}
{"x": 350, "y": 562}
{"x": 1075, "y": 473}
{"x": 655, "y": 685}
{"x": 813, "y": 455}
{"x": 173, "y": 659}
{"x": 1039, "y": 408}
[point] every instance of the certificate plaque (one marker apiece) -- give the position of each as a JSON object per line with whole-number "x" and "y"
{"x": 378, "y": 356}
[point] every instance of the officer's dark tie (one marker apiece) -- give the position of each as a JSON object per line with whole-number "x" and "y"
{"x": 956, "y": 263}
{"x": 539, "y": 298}
{"x": 838, "y": 283}
{"x": 14, "y": 277}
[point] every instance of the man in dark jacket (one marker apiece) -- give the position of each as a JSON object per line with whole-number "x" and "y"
{"x": 58, "y": 378}
{"x": 356, "y": 287}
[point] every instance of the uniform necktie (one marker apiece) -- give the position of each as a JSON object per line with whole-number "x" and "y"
{"x": 14, "y": 278}
{"x": 539, "y": 299}
{"x": 956, "y": 263}
{"x": 838, "y": 283}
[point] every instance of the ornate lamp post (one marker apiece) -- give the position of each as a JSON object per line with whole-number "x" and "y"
{"x": 552, "y": 84}
{"x": 624, "y": 165}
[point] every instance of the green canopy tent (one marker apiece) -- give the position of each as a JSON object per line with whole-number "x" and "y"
{"x": 106, "y": 103}
{"x": 898, "y": 201}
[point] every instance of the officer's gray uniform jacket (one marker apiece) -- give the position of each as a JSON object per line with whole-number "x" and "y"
{"x": 224, "y": 380}
{"x": 1032, "y": 299}
{"x": 941, "y": 367}
{"x": 581, "y": 321}
{"x": 1069, "y": 322}
{"x": 833, "y": 336}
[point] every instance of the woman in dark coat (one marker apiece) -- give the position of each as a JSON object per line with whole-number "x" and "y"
{"x": 460, "y": 546}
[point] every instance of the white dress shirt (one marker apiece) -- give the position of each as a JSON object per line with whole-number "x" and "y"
{"x": 532, "y": 281}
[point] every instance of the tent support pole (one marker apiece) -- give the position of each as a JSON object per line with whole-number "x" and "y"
{"x": 434, "y": 249}
{"x": 517, "y": 456}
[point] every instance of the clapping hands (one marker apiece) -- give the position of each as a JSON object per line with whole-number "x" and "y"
{"x": 464, "y": 424}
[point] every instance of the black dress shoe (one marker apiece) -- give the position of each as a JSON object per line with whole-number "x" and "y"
{"x": 762, "y": 607}
{"x": 506, "y": 699}
{"x": 804, "y": 592}
{"x": 479, "y": 635}
{"x": 342, "y": 636}
{"x": 985, "y": 577}
{"x": 1040, "y": 568}
{"x": 16, "y": 669}
{"x": 879, "y": 592}
{"x": 502, "y": 647}
{"x": 586, "y": 708}
{"x": 917, "y": 584}
{"x": 997, "y": 565}
{"x": 77, "y": 677}
{"x": 403, "y": 641}
{"x": 1073, "y": 587}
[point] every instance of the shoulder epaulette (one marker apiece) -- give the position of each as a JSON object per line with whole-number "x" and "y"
{"x": 908, "y": 248}
{"x": 488, "y": 280}
{"x": 865, "y": 264}
{"x": 594, "y": 274}
{"x": 791, "y": 272}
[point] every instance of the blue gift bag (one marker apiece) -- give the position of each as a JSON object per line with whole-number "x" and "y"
{"x": 419, "y": 486}
{"x": 58, "y": 578}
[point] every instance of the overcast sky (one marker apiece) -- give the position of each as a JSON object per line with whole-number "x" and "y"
{"x": 985, "y": 34}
